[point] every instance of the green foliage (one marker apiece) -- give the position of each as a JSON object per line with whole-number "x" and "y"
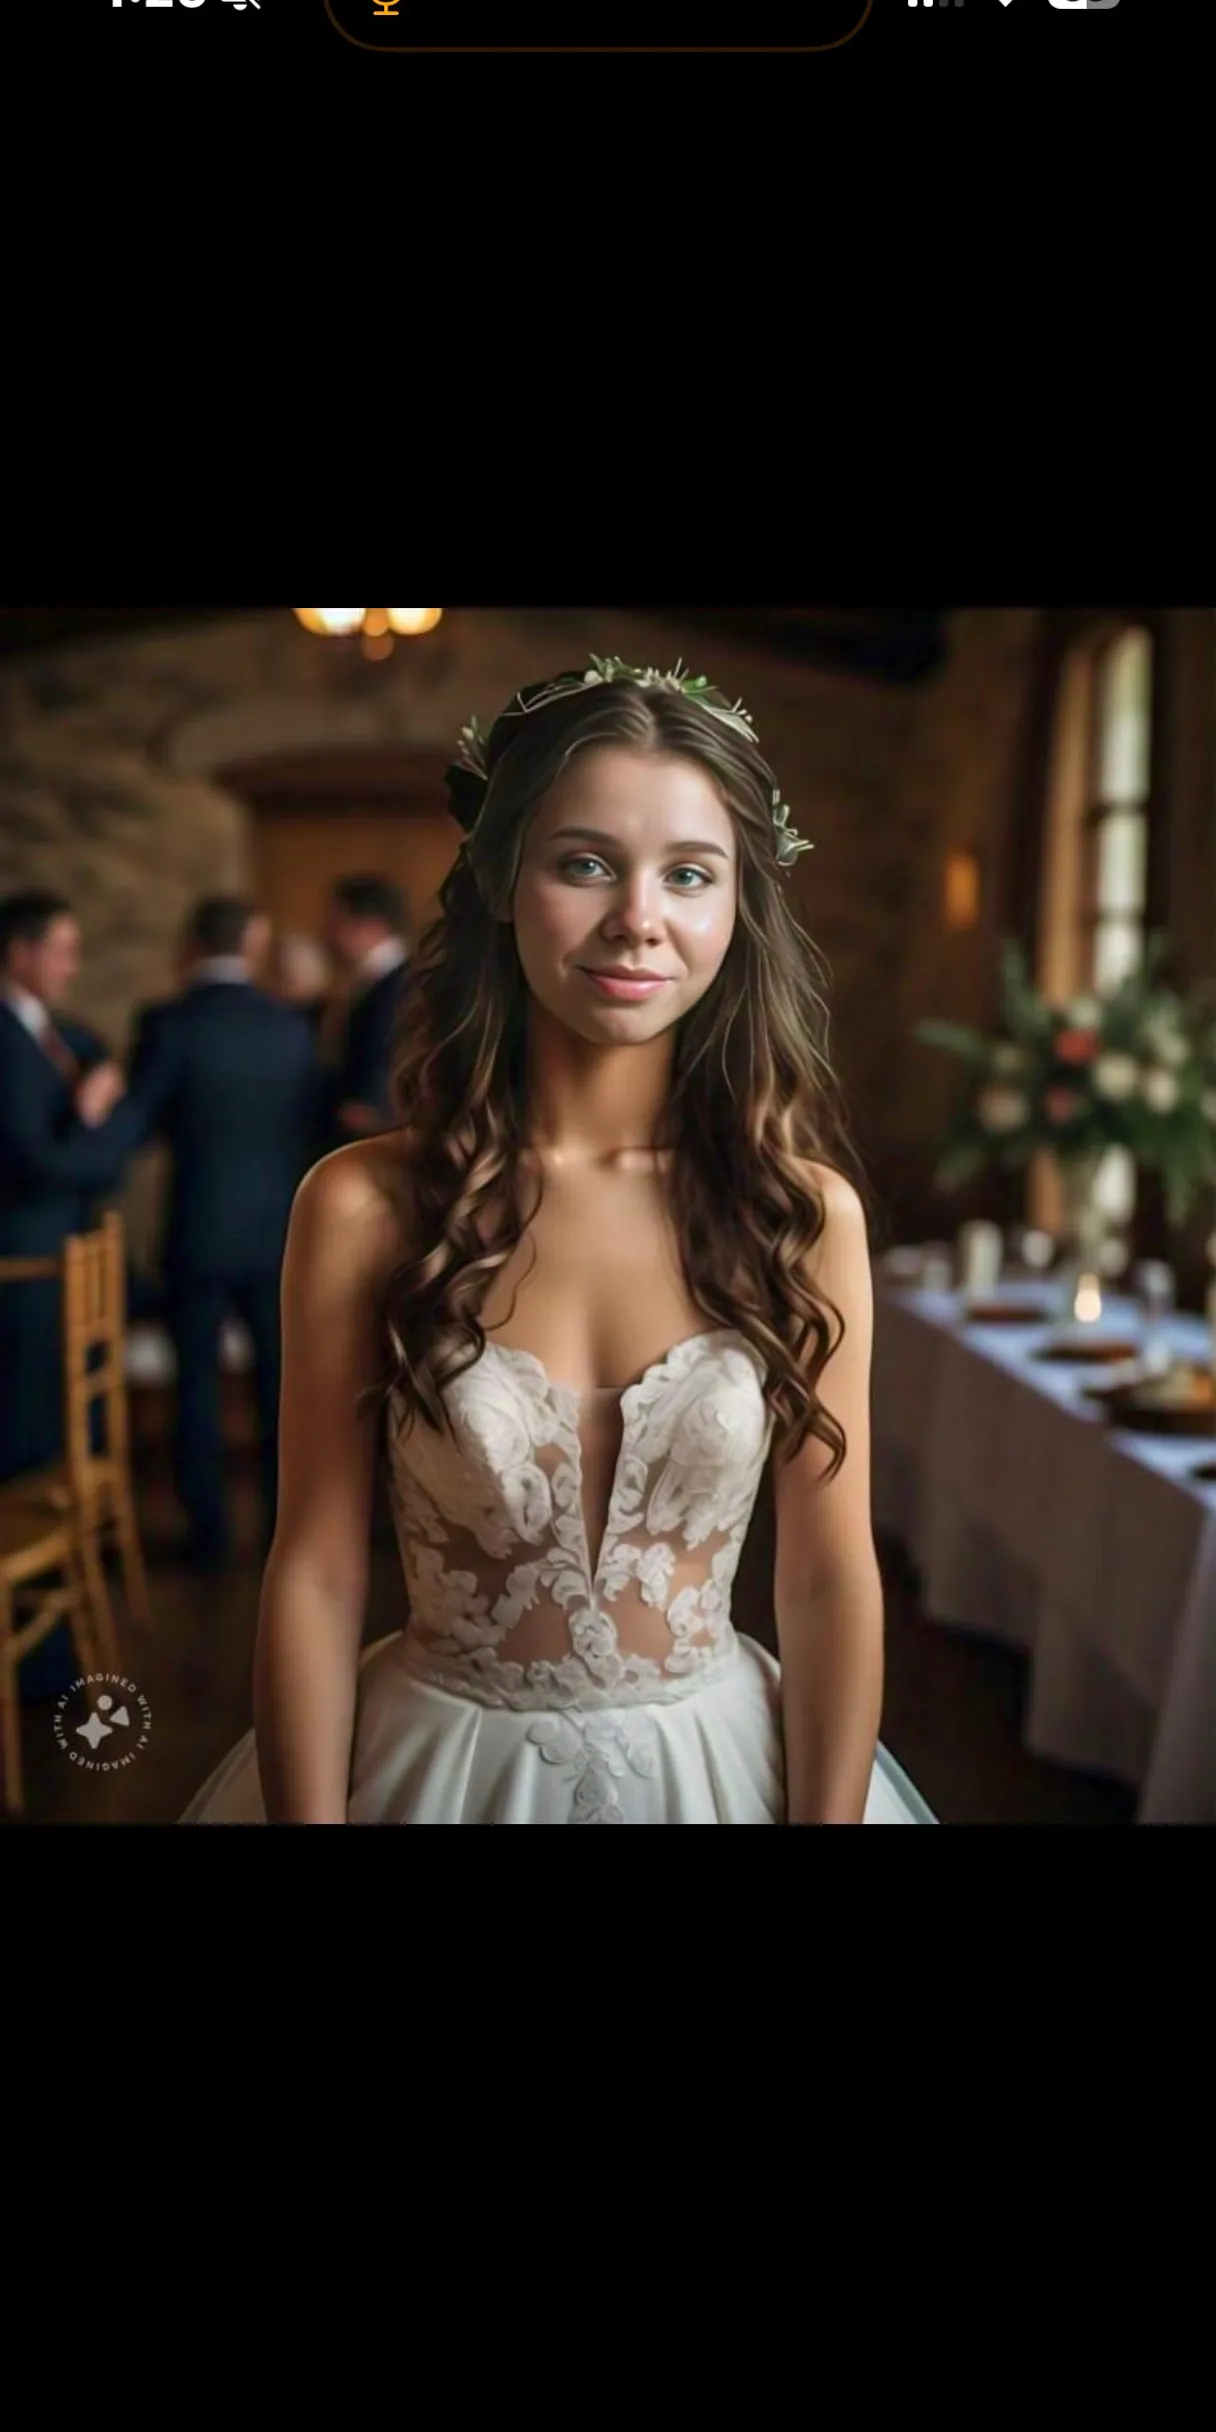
{"x": 1133, "y": 1065}
{"x": 471, "y": 749}
{"x": 970, "y": 1044}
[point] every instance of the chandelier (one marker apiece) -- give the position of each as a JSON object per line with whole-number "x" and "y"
{"x": 378, "y": 627}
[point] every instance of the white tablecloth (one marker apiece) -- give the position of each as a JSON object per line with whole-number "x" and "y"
{"x": 1031, "y": 1520}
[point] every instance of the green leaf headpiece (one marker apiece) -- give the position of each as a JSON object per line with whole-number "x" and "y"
{"x": 468, "y": 776}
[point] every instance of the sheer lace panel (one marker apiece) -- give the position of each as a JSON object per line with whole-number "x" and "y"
{"x": 572, "y": 1548}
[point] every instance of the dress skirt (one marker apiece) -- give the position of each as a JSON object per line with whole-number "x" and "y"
{"x": 425, "y": 1756}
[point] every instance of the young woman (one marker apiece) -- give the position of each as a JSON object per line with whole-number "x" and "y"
{"x": 592, "y": 1286}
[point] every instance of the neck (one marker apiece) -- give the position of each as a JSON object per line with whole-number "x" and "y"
{"x": 202, "y": 963}
{"x": 586, "y": 1104}
{"x": 14, "y": 987}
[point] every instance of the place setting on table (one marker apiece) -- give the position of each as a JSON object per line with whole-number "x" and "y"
{"x": 1043, "y": 1410}
{"x": 1055, "y": 1503}
{"x": 1130, "y": 1356}
{"x": 1129, "y": 1068}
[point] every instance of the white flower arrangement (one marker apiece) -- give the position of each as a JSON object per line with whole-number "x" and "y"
{"x": 1134, "y": 1065}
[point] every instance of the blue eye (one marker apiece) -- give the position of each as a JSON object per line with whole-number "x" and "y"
{"x": 684, "y": 869}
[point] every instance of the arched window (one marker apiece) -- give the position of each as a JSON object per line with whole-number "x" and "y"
{"x": 1093, "y": 907}
{"x": 1116, "y": 828}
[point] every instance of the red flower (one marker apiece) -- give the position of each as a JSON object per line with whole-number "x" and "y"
{"x": 1077, "y": 1046}
{"x": 1061, "y": 1106}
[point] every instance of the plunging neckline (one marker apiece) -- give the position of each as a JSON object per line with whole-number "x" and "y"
{"x": 625, "y": 1397}
{"x": 585, "y": 1393}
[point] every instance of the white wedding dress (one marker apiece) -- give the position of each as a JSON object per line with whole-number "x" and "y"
{"x": 536, "y": 1684}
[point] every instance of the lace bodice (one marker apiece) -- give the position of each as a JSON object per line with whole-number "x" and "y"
{"x": 497, "y": 1521}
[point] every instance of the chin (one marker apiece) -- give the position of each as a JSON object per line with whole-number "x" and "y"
{"x": 628, "y": 1028}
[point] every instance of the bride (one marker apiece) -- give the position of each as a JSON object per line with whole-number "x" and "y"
{"x": 605, "y": 1272}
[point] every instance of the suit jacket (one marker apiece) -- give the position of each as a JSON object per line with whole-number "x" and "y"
{"x": 53, "y": 1168}
{"x": 231, "y": 1076}
{"x": 314, "y": 1009}
{"x": 366, "y": 1060}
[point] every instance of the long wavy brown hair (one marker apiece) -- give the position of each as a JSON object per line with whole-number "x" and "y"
{"x": 752, "y": 1094}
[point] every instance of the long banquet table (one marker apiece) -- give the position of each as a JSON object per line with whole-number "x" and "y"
{"x": 1033, "y": 1521}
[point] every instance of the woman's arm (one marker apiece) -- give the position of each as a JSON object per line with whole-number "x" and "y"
{"x": 310, "y": 1625}
{"x": 828, "y": 1587}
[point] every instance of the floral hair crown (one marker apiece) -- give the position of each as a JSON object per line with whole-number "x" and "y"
{"x": 468, "y": 776}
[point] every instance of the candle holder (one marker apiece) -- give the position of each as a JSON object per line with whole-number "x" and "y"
{"x": 1156, "y": 1291}
{"x": 979, "y": 1254}
{"x": 1210, "y": 1303}
{"x": 1084, "y": 1226}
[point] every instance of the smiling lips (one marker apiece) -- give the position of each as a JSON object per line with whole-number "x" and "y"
{"x": 628, "y": 987}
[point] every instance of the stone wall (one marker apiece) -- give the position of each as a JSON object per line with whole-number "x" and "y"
{"x": 107, "y": 792}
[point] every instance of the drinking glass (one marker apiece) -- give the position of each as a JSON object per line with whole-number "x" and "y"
{"x": 1155, "y": 1288}
{"x": 1030, "y": 1249}
{"x": 937, "y": 1267}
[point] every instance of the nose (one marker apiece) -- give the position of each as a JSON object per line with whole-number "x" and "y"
{"x": 635, "y": 911}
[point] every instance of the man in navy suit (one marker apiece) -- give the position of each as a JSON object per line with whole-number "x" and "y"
{"x": 234, "y": 1078}
{"x": 364, "y": 932}
{"x": 66, "y": 1131}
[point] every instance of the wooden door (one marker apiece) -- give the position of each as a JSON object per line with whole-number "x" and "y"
{"x": 297, "y": 855}
{"x": 315, "y": 817}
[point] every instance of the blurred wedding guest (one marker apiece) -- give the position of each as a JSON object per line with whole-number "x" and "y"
{"x": 235, "y": 1098}
{"x": 365, "y": 933}
{"x": 64, "y": 1139}
{"x": 298, "y": 973}
{"x": 259, "y": 941}
{"x": 259, "y": 936}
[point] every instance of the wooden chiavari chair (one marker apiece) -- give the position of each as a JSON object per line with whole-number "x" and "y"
{"x": 42, "y": 1568}
{"x": 34, "y": 1544}
{"x": 94, "y": 1488}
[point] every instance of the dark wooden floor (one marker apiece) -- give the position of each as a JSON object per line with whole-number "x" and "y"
{"x": 952, "y": 1714}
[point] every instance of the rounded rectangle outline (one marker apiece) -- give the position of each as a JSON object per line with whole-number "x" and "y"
{"x": 429, "y": 50}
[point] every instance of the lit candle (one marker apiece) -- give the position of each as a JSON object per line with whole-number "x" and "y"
{"x": 1087, "y": 1299}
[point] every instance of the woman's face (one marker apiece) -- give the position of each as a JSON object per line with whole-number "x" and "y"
{"x": 630, "y": 862}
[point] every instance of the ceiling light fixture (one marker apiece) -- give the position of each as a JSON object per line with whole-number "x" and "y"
{"x": 377, "y": 626}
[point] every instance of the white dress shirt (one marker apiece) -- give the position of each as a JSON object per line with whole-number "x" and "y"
{"x": 387, "y": 956}
{"x": 219, "y": 967}
{"x": 30, "y": 1010}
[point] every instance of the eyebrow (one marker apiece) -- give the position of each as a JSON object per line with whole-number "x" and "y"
{"x": 692, "y": 844}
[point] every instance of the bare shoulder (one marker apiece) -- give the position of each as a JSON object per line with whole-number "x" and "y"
{"x": 844, "y": 1214}
{"x": 357, "y": 1200}
{"x": 838, "y": 1261}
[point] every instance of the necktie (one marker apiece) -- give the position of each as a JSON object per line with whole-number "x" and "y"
{"x": 56, "y": 1047}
